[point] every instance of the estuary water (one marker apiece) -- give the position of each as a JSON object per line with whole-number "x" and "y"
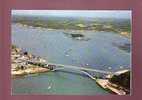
{"x": 98, "y": 50}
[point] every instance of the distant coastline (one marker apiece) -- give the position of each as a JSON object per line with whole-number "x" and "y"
{"x": 79, "y": 31}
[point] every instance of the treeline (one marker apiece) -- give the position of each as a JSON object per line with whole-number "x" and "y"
{"x": 122, "y": 80}
{"x": 118, "y": 25}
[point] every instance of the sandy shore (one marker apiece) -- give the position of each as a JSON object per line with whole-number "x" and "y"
{"x": 104, "y": 83}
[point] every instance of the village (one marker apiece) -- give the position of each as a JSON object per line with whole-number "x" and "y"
{"x": 21, "y": 65}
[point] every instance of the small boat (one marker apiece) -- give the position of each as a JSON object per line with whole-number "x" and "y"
{"x": 67, "y": 55}
{"x": 49, "y": 87}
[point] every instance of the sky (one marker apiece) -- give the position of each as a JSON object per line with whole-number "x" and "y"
{"x": 77, "y": 13}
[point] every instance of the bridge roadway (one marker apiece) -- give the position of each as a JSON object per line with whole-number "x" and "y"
{"x": 61, "y": 66}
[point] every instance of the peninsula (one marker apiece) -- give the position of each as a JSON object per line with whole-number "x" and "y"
{"x": 21, "y": 64}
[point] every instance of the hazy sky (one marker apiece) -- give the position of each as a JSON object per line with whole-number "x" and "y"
{"x": 77, "y": 13}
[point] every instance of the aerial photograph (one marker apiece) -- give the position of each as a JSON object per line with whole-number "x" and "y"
{"x": 71, "y": 52}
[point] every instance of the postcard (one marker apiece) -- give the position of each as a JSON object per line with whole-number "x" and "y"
{"x": 71, "y": 52}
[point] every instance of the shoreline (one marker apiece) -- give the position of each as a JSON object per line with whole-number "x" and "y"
{"x": 122, "y": 33}
{"x": 21, "y": 66}
{"x": 112, "y": 87}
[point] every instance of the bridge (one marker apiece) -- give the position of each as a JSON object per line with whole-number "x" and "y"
{"x": 90, "y": 72}
{"x": 61, "y": 66}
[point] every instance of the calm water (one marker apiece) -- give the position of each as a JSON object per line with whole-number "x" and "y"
{"x": 97, "y": 51}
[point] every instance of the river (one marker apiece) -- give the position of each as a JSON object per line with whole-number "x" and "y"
{"x": 98, "y": 50}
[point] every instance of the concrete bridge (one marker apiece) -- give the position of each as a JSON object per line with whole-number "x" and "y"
{"x": 61, "y": 66}
{"x": 90, "y": 72}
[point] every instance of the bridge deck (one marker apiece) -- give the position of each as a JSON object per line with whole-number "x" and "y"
{"x": 80, "y": 68}
{"x": 76, "y": 67}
